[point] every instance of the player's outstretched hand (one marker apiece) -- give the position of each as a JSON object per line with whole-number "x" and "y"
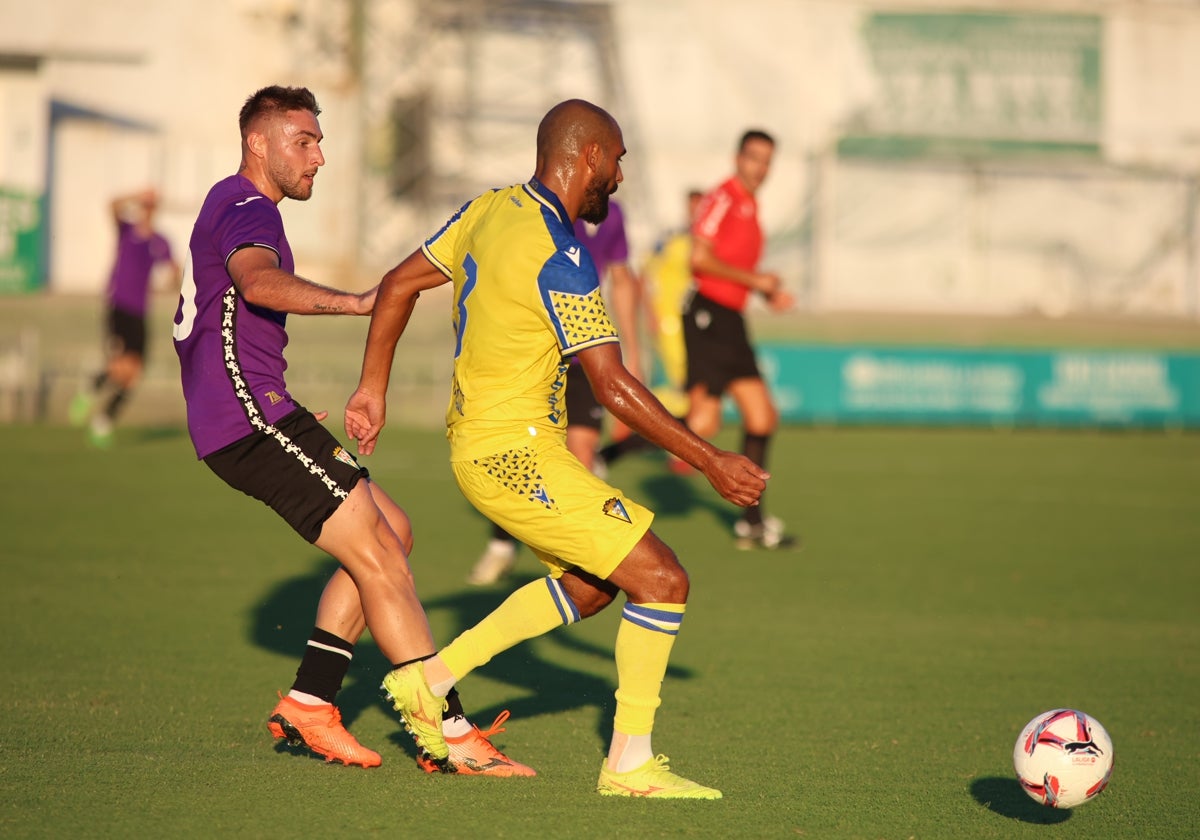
{"x": 365, "y": 415}
{"x": 737, "y": 478}
{"x": 781, "y": 301}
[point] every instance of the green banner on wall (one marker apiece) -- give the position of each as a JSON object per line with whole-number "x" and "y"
{"x": 981, "y": 84}
{"x": 21, "y": 220}
{"x": 915, "y": 386}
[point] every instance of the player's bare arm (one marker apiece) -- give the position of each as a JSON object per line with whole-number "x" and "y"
{"x": 366, "y": 411}
{"x": 735, "y": 477}
{"x": 256, "y": 273}
{"x": 704, "y": 261}
{"x": 627, "y": 307}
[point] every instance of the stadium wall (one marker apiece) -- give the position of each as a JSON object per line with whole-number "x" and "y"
{"x": 1110, "y": 81}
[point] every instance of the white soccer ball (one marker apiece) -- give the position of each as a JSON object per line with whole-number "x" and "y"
{"x": 1063, "y": 758}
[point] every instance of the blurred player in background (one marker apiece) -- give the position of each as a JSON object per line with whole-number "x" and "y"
{"x": 141, "y": 249}
{"x": 666, "y": 281}
{"x": 609, "y": 247}
{"x": 526, "y": 298}
{"x": 230, "y": 333}
{"x": 727, "y": 242}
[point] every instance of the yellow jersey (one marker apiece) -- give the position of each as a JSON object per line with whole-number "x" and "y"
{"x": 526, "y": 295}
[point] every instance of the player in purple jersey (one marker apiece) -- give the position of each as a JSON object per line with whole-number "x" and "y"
{"x": 140, "y": 250}
{"x": 230, "y": 334}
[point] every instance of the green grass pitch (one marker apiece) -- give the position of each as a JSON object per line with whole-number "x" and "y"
{"x": 952, "y": 584}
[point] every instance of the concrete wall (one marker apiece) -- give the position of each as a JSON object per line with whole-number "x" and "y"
{"x": 696, "y": 73}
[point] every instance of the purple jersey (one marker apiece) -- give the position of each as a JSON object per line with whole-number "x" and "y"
{"x": 605, "y": 242}
{"x": 231, "y": 352}
{"x": 129, "y": 283}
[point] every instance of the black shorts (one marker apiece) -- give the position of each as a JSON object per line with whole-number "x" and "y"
{"x": 300, "y": 471}
{"x": 126, "y": 333}
{"x": 718, "y": 346}
{"x": 583, "y": 409}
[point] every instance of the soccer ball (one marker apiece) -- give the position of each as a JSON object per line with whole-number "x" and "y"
{"x": 1063, "y": 758}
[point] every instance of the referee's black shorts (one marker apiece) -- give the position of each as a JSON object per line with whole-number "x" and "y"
{"x": 718, "y": 346}
{"x": 299, "y": 470}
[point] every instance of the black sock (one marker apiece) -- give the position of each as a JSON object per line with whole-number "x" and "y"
{"x": 324, "y": 666}
{"x": 754, "y": 447}
{"x": 454, "y": 707}
{"x": 115, "y": 402}
{"x": 499, "y": 533}
{"x": 633, "y": 443}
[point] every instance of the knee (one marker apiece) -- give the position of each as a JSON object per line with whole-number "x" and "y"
{"x": 589, "y": 594}
{"x": 668, "y": 582}
{"x": 591, "y": 602}
{"x": 380, "y": 554}
{"x": 762, "y": 422}
{"x": 704, "y": 424}
{"x": 706, "y": 430}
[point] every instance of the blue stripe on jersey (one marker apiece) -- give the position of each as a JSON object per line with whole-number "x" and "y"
{"x": 552, "y": 205}
{"x": 664, "y": 621}
{"x": 566, "y": 607}
{"x": 449, "y": 222}
{"x": 570, "y": 287}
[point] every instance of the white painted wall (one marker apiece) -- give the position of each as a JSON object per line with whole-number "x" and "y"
{"x": 697, "y": 72}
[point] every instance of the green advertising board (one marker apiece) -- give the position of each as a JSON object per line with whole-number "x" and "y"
{"x": 866, "y": 384}
{"x": 21, "y": 220}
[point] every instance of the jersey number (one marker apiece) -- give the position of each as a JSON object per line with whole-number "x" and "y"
{"x": 187, "y": 302}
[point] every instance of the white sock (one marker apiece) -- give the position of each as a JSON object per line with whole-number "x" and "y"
{"x": 438, "y": 676}
{"x": 506, "y": 547}
{"x": 456, "y": 727}
{"x": 307, "y": 699}
{"x": 632, "y": 751}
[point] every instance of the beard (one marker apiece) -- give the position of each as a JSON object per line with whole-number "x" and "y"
{"x": 595, "y": 203}
{"x": 291, "y": 184}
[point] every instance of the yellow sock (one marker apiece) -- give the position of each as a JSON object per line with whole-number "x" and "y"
{"x": 644, "y": 641}
{"x": 532, "y": 610}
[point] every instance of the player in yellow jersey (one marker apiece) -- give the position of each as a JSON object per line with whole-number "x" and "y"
{"x": 667, "y": 277}
{"x": 526, "y": 296}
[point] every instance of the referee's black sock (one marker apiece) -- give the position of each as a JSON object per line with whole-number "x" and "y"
{"x": 324, "y": 666}
{"x": 754, "y": 447}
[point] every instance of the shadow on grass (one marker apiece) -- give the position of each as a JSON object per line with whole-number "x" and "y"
{"x": 1006, "y": 797}
{"x": 673, "y": 496}
{"x": 282, "y": 621}
{"x": 149, "y": 434}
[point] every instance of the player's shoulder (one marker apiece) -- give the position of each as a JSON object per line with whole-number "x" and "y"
{"x": 568, "y": 266}
{"x": 237, "y": 195}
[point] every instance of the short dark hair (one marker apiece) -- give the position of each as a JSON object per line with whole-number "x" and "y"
{"x": 276, "y": 98}
{"x": 755, "y": 134}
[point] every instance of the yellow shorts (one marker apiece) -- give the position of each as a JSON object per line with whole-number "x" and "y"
{"x": 547, "y": 499}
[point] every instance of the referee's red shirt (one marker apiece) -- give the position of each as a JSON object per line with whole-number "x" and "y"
{"x": 728, "y": 220}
